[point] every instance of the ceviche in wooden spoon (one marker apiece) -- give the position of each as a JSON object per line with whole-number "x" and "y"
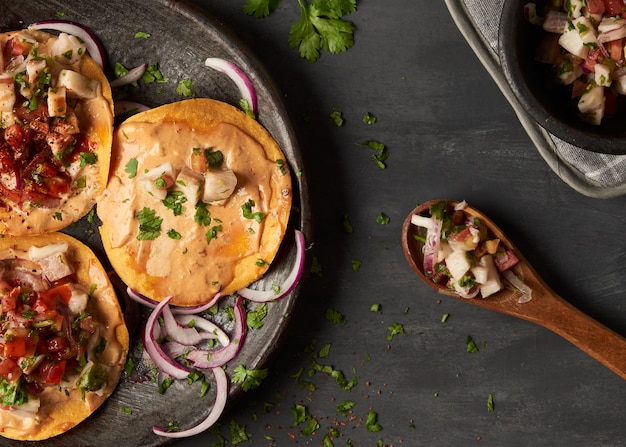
{"x": 459, "y": 251}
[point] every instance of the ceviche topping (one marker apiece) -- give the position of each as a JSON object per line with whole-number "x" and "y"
{"x": 585, "y": 45}
{"x": 48, "y": 340}
{"x": 461, "y": 252}
{"x": 43, "y": 147}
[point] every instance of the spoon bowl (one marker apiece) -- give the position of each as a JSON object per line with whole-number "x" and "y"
{"x": 544, "y": 308}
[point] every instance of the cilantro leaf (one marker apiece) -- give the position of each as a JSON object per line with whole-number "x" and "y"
{"x": 395, "y": 329}
{"x": 249, "y": 378}
{"x": 149, "y": 224}
{"x": 174, "y": 201}
{"x": 260, "y": 8}
{"x": 321, "y": 28}
{"x": 248, "y": 214}
{"x": 371, "y": 422}
{"x": 131, "y": 168}
{"x": 203, "y": 215}
{"x": 255, "y": 318}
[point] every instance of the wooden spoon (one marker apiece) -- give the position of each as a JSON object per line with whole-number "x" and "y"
{"x": 545, "y": 308}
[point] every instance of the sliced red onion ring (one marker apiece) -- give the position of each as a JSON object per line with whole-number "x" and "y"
{"x": 93, "y": 44}
{"x": 211, "y": 329}
{"x": 262, "y": 296}
{"x": 160, "y": 358}
{"x": 185, "y": 335}
{"x": 431, "y": 247}
{"x": 527, "y": 293}
{"x": 133, "y": 75}
{"x": 221, "y": 389}
{"x": 245, "y": 86}
{"x": 176, "y": 310}
{"x": 203, "y": 359}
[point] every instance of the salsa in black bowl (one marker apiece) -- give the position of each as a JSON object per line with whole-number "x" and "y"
{"x": 537, "y": 85}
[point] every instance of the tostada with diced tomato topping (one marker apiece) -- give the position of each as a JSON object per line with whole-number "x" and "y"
{"x": 63, "y": 339}
{"x": 56, "y": 125}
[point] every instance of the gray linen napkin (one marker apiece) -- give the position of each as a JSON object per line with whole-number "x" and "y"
{"x": 590, "y": 173}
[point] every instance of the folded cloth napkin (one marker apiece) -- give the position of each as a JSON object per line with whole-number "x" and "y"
{"x": 590, "y": 173}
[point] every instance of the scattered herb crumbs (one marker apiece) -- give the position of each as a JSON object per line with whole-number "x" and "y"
{"x": 471, "y": 346}
{"x": 445, "y": 317}
{"x": 490, "y": 402}
{"x": 245, "y": 105}
{"x": 185, "y": 88}
{"x": 255, "y": 317}
{"x": 57, "y": 216}
{"x": 202, "y": 215}
{"x": 60, "y": 14}
{"x": 249, "y": 378}
{"x": 327, "y": 441}
{"x": 239, "y": 433}
{"x": 154, "y": 74}
{"x": 382, "y": 219}
{"x": 131, "y": 168}
{"x": 300, "y": 414}
{"x": 356, "y": 265}
{"x": 311, "y": 427}
{"x": 371, "y": 423}
{"x": 129, "y": 367}
{"x": 382, "y": 153}
{"x": 337, "y": 117}
{"x": 335, "y": 317}
{"x": 323, "y": 353}
{"x": 376, "y": 307}
{"x": 142, "y": 35}
{"x": 127, "y": 410}
{"x": 173, "y": 234}
{"x": 248, "y": 214}
{"x": 395, "y": 329}
{"x": 345, "y": 407}
{"x": 174, "y": 201}
{"x": 347, "y": 225}
{"x": 368, "y": 118}
{"x": 316, "y": 267}
{"x": 164, "y": 385}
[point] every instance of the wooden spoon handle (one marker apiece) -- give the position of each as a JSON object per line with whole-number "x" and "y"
{"x": 592, "y": 337}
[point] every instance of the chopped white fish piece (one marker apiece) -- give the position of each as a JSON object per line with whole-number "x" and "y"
{"x": 218, "y": 185}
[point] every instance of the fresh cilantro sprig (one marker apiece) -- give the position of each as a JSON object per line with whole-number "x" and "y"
{"x": 321, "y": 26}
{"x": 249, "y": 378}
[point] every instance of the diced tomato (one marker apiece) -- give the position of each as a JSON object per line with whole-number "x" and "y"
{"x": 58, "y": 343}
{"x": 57, "y": 295}
{"x": 595, "y": 6}
{"x": 10, "y": 370}
{"x": 504, "y": 260}
{"x": 51, "y": 372}
{"x": 613, "y": 7}
{"x": 15, "y": 347}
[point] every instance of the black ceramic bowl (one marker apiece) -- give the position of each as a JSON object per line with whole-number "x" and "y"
{"x": 542, "y": 97}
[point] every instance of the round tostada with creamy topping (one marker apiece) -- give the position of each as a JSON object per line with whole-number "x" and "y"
{"x": 63, "y": 339}
{"x": 198, "y": 201}
{"x": 56, "y": 123}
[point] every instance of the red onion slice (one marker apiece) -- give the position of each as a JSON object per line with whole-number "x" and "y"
{"x": 185, "y": 335}
{"x": 237, "y": 75}
{"x": 176, "y": 310}
{"x": 160, "y": 358}
{"x": 211, "y": 330}
{"x": 221, "y": 390}
{"x": 94, "y": 46}
{"x": 133, "y": 75}
{"x": 203, "y": 359}
{"x": 262, "y": 296}
{"x": 431, "y": 247}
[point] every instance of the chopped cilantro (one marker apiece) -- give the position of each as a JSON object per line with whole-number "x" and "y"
{"x": 337, "y": 117}
{"x": 141, "y": 35}
{"x": 490, "y": 402}
{"x": 154, "y": 74}
{"x": 311, "y": 427}
{"x": 445, "y": 317}
{"x": 131, "y": 168}
{"x": 214, "y": 158}
{"x": 347, "y": 225}
{"x": 174, "y": 201}
{"x": 164, "y": 385}
{"x": 87, "y": 158}
{"x": 12, "y": 393}
{"x": 368, "y": 118}
{"x": 248, "y": 214}
{"x": 212, "y": 233}
{"x": 281, "y": 166}
{"x": 356, "y": 265}
{"x": 57, "y": 216}
{"x": 249, "y": 378}
{"x": 335, "y": 317}
{"x": 149, "y": 224}
{"x": 239, "y": 433}
{"x": 203, "y": 215}
{"x": 255, "y": 317}
{"x": 471, "y": 346}
{"x": 173, "y": 234}
{"x": 345, "y": 407}
{"x": 323, "y": 353}
{"x": 245, "y": 105}
{"x": 300, "y": 414}
{"x": 375, "y": 307}
{"x": 371, "y": 423}
{"x": 382, "y": 219}
{"x": 382, "y": 153}
{"x": 127, "y": 410}
{"x": 395, "y": 329}
{"x": 316, "y": 267}
{"x": 185, "y": 88}
{"x": 260, "y": 8}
